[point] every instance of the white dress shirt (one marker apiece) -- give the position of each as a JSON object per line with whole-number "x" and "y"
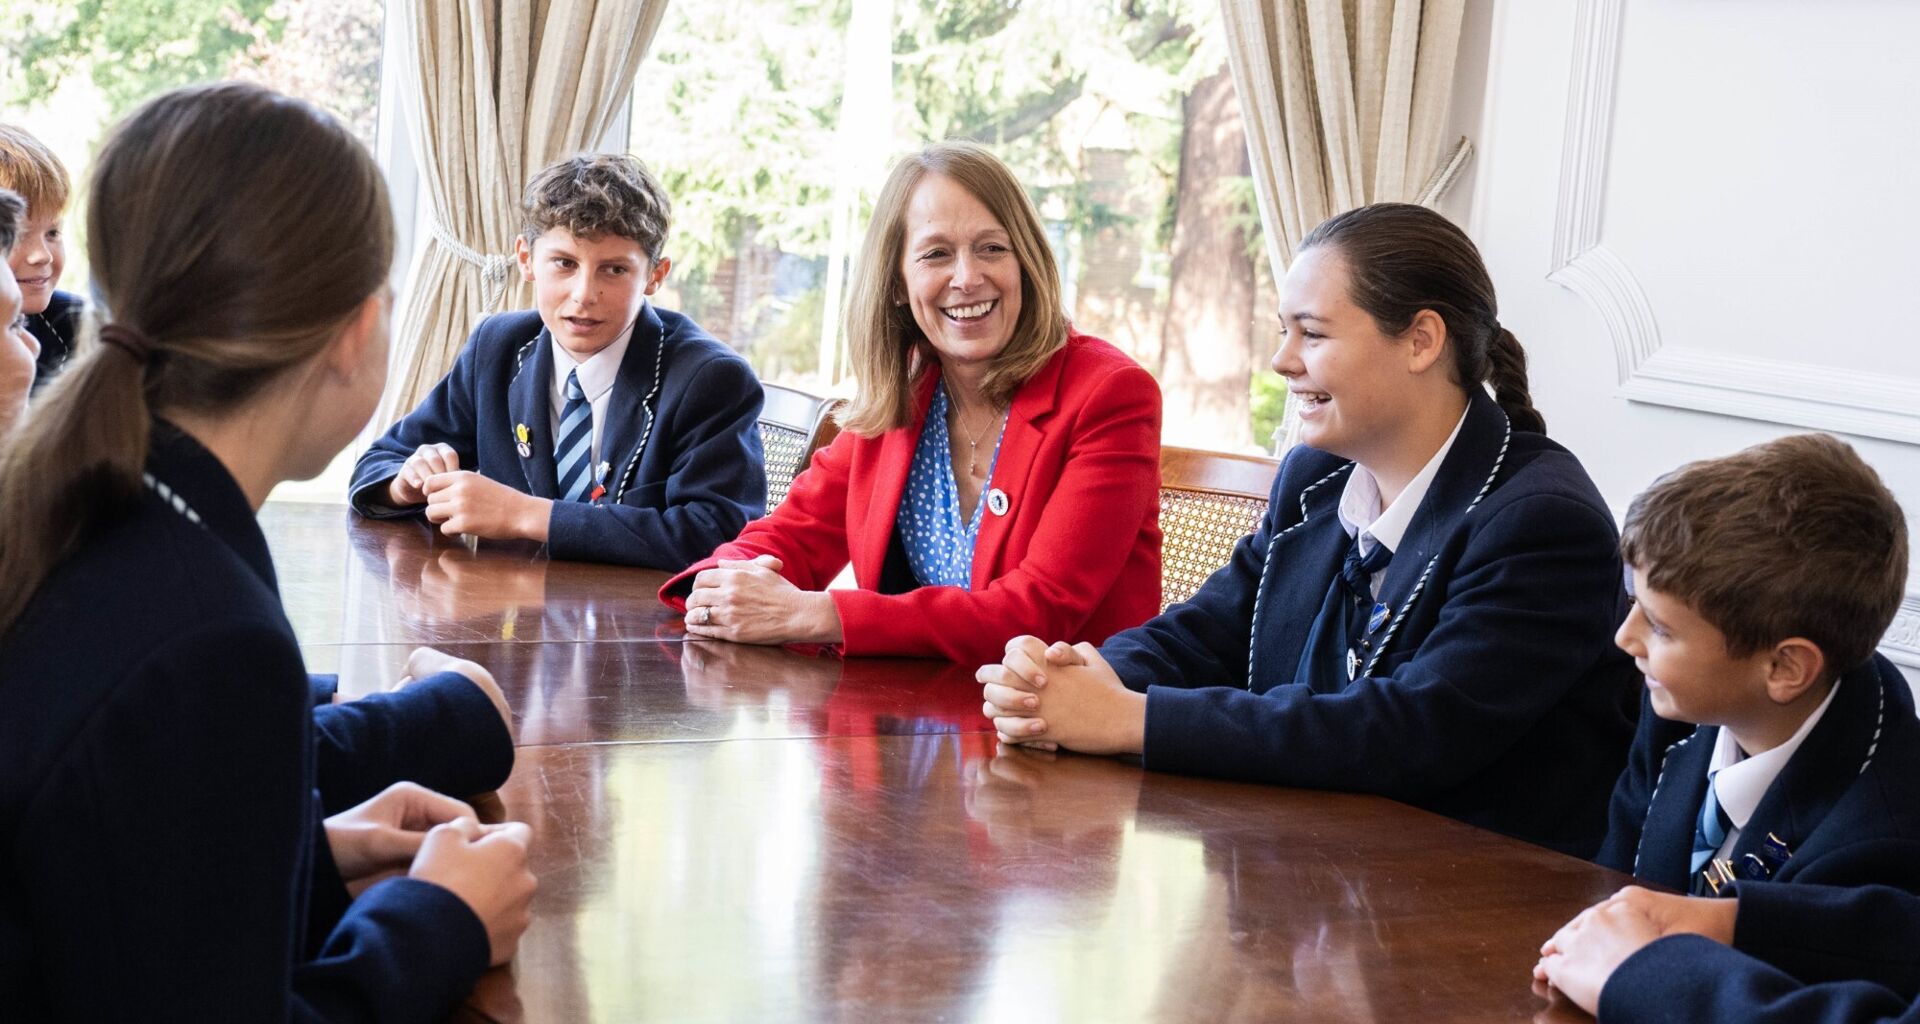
{"x": 1741, "y": 781}
{"x": 1360, "y": 512}
{"x": 597, "y": 375}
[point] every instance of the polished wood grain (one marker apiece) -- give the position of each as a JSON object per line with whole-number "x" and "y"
{"x": 348, "y": 580}
{"x": 732, "y": 833}
{"x": 649, "y": 691}
{"x": 1214, "y": 472}
{"x": 925, "y": 877}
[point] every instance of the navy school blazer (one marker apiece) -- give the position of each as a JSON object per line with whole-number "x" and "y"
{"x": 161, "y": 851}
{"x": 1806, "y": 954}
{"x": 1496, "y": 697}
{"x": 55, "y": 329}
{"x": 1847, "y": 805}
{"x": 681, "y": 436}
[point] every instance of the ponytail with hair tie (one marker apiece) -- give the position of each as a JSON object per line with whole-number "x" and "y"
{"x": 128, "y": 340}
{"x": 195, "y": 181}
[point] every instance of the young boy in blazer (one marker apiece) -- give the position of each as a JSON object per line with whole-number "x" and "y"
{"x": 606, "y": 428}
{"x": 39, "y": 253}
{"x": 1779, "y": 747}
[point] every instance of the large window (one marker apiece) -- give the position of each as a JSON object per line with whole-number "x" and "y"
{"x": 773, "y": 121}
{"x": 75, "y": 66}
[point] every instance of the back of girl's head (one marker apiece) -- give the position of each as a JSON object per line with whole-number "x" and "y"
{"x": 1401, "y": 259}
{"x": 232, "y": 232}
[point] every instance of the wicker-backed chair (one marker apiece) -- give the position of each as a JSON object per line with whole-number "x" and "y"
{"x": 1208, "y": 501}
{"x": 793, "y": 425}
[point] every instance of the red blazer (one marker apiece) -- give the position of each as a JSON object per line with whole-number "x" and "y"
{"x": 1075, "y": 557}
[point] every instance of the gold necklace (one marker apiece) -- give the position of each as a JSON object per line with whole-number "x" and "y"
{"x": 973, "y": 439}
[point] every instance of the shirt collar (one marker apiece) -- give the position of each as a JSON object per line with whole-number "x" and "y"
{"x": 1740, "y": 781}
{"x": 597, "y": 373}
{"x": 1360, "y": 512}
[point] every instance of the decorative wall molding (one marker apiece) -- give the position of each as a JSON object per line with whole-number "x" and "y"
{"x": 1799, "y": 394}
{"x": 1901, "y": 645}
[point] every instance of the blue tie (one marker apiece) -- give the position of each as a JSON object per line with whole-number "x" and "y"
{"x": 575, "y": 448}
{"x": 1357, "y": 573}
{"x": 1338, "y": 644}
{"x": 1710, "y": 830}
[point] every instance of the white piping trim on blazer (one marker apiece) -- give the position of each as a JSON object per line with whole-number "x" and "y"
{"x": 646, "y": 433}
{"x": 1655, "y": 795}
{"x": 1421, "y": 584}
{"x": 171, "y": 497}
{"x": 646, "y": 406}
{"x": 1879, "y": 719}
{"x": 1260, "y": 590}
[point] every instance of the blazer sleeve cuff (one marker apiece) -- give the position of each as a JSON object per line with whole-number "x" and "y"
{"x": 323, "y": 687}
{"x": 409, "y": 948}
{"x": 1822, "y": 933}
{"x": 673, "y": 593}
{"x": 1664, "y": 976}
{"x": 454, "y": 715}
{"x": 573, "y": 536}
{"x": 873, "y": 624}
{"x": 370, "y": 500}
{"x": 441, "y": 732}
{"x": 858, "y": 614}
{"x": 1183, "y": 733}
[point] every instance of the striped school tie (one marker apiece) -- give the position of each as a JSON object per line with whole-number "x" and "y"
{"x": 574, "y": 450}
{"x": 1710, "y": 830}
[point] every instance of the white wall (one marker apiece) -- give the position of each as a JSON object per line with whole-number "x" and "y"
{"x": 1704, "y": 222}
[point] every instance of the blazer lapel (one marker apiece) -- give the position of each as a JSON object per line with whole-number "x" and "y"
{"x": 892, "y": 463}
{"x": 1283, "y": 615}
{"x": 1464, "y": 477}
{"x": 530, "y": 403}
{"x": 628, "y": 428}
{"x": 1032, "y": 405}
{"x": 1828, "y": 761}
{"x": 1666, "y": 840}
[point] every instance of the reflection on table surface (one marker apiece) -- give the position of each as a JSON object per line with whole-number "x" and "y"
{"x": 654, "y": 691}
{"x": 732, "y": 833}
{"x": 347, "y": 580}
{"x": 924, "y": 877}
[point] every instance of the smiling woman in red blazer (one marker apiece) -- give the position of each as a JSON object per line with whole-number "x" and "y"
{"x": 998, "y": 471}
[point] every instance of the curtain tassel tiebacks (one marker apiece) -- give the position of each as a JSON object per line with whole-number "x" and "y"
{"x": 1449, "y": 171}
{"x": 495, "y": 269}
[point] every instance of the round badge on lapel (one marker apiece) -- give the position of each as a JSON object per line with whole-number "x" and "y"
{"x": 997, "y": 502}
{"x": 525, "y": 449}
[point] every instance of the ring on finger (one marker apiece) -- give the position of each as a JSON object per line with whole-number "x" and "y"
{"x": 701, "y": 615}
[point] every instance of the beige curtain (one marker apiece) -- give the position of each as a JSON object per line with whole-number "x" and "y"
{"x": 1345, "y": 104}
{"x": 501, "y": 89}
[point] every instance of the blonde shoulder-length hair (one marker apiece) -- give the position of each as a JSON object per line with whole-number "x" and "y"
{"x": 887, "y": 350}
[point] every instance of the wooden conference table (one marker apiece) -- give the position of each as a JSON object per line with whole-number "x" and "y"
{"x": 729, "y": 833}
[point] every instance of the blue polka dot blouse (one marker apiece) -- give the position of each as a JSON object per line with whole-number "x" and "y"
{"x": 939, "y": 546}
